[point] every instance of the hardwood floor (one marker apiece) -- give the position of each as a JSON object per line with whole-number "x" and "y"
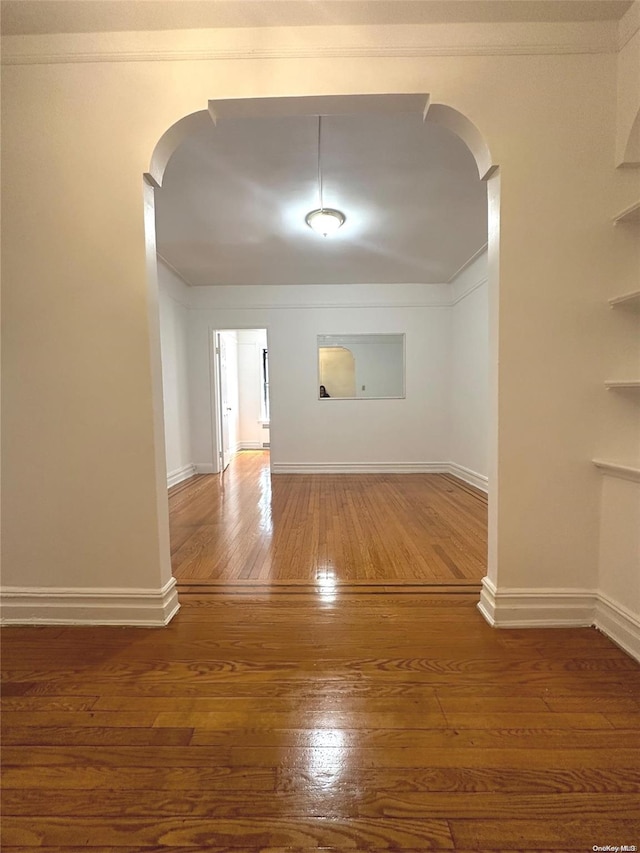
{"x": 327, "y": 684}
{"x": 295, "y": 719}
{"x": 249, "y": 528}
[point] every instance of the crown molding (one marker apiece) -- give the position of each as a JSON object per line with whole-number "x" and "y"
{"x": 468, "y": 262}
{"x": 308, "y": 296}
{"x": 226, "y": 298}
{"x": 294, "y": 306}
{"x": 512, "y": 39}
{"x": 176, "y": 272}
{"x": 469, "y": 290}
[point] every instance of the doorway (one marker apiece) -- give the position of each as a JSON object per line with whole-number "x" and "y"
{"x": 241, "y": 416}
{"x": 306, "y": 434}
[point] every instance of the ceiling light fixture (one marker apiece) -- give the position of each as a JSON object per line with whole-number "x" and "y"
{"x": 323, "y": 220}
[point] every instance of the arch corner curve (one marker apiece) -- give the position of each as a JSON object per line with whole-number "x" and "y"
{"x": 171, "y": 140}
{"x": 465, "y": 129}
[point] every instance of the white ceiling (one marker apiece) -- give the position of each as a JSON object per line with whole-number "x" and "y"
{"x": 234, "y": 196}
{"x": 78, "y": 16}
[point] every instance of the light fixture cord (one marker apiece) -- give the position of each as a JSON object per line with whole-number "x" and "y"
{"x": 320, "y": 162}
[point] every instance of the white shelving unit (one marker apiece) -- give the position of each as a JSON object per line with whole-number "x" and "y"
{"x": 629, "y": 214}
{"x": 628, "y": 302}
{"x": 618, "y": 469}
{"x": 622, "y": 383}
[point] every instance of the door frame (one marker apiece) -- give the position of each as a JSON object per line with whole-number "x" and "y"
{"x": 224, "y": 452}
{"x": 216, "y": 396}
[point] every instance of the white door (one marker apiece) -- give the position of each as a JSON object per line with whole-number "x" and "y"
{"x": 225, "y": 407}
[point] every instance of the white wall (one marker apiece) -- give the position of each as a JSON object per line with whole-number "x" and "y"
{"x": 470, "y": 372}
{"x": 307, "y": 432}
{"x": 174, "y": 326}
{"x": 442, "y": 420}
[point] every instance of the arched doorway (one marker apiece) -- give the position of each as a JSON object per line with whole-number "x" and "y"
{"x": 437, "y": 114}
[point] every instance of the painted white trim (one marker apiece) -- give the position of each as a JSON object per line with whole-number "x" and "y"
{"x": 153, "y": 608}
{"x": 205, "y": 468}
{"x": 627, "y": 299}
{"x": 471, "y": 289}
{"x": 320, "y": 296}
{"x": 401, "y": 40}
{"x": 210, "y": 297}
{"x": 537, "y": 608}
{"x": 619, "y": 624}
{"x": 622, "y": 383}
{"x": 180, "y": 474}
{"x": 172, "y": 269}
{"x": 480, "y": 481}
{"x": 617, "y": 469}
{"x": 360, "y": 468}
{"x": 468, "y": 263}
{"x": 487, "y": 603}
{"x": 561, "y": 608}
{"x": 249, "y": 445}
{"x": 294, "y": 306}
{"x": 629, "y": 214}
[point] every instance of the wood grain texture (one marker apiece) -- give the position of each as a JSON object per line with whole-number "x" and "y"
{"x": 272, "y": 720}
{"x": 247, "y": 526}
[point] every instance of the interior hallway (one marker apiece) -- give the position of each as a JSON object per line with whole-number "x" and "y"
{"x": 249, "y": 528}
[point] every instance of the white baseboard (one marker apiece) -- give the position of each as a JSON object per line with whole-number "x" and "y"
{"x": 537, "y": 608}
{"x": 180, "y": 474}
{"x": 249, "y": 445}
{"x": 561, "y": 608}
{"x": 480, "y": 481}
{"x": 152, "y": 608}
{"x": 459, "y": 471}
{"x": 360, "y": 468}
{"x": 204, "y": 468}
{"x": 619, "y": 624}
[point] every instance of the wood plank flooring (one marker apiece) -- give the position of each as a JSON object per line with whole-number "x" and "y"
{"x": 288, "y": 719}
{"x": 250, "y": 528}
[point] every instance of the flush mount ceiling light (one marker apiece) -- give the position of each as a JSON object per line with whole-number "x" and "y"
{"x": 323, "y": 220}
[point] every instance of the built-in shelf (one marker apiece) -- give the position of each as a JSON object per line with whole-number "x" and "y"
{"x": 622, "y": 383}
{"x": 627, "y": 300}
{"x": 629, "y": 214}
{"x": 618, "y": 469}
{"x": 630, "y": 468}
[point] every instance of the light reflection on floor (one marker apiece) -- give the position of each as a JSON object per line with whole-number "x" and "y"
{"x": 327, "y": 755}
{"x": 264, "y": 504}
{"x": 326, "y": 583}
